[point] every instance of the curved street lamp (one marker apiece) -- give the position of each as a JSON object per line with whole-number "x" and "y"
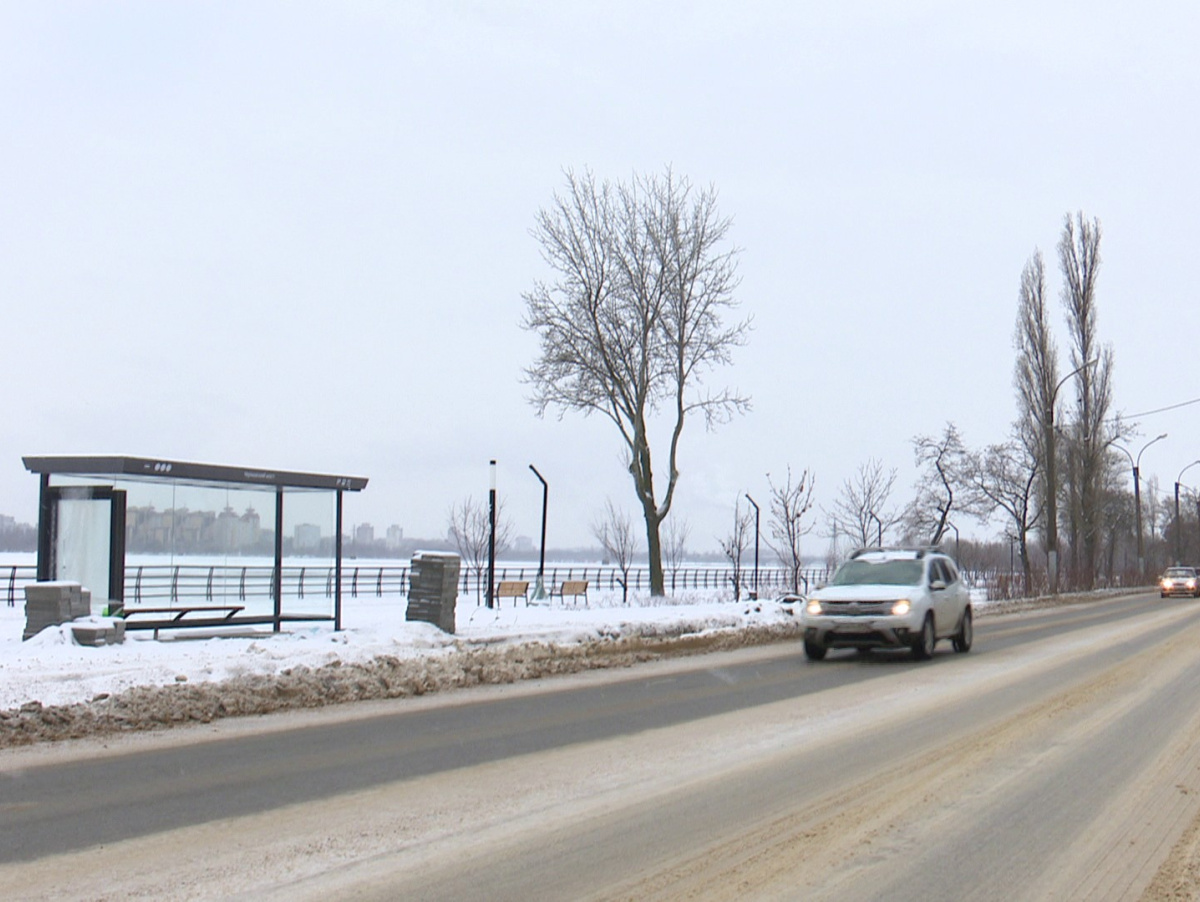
{"x": 879, "y": 526}
{"x": 1178, "y": 523}
{"x": 753, "y": 502}
{"x": 1051, "y": 477}
{"x": 491, "y": 592}
{"x": 957, "y": 557}
{"x": 1137, "y": 496}
{"x": 539, "y": 591}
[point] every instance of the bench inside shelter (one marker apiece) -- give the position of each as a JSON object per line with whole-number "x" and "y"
{"x": 206, "y": 615}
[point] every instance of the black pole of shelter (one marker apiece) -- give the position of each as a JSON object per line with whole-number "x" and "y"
{"x": 337, "y": 566}
{"x": 44, "y": 528}
{"x": 277, "y": 587}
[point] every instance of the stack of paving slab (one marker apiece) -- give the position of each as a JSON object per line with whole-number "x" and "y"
{"x": 433, "y": 588}
{"x": 97, "y": 631}
{"x": 52, "y": 603}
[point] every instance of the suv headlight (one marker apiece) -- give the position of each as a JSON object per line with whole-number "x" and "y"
{"x": 814, "y": 607}
{"x": 901, "y": 607}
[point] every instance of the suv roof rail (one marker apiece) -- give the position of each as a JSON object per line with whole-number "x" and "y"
{"x": 919, "y": 550}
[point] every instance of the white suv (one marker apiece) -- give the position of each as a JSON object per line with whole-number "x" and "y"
{"x": 890, "y": 598}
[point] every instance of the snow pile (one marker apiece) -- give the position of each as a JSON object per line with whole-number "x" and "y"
{"x": 51, "y": 687}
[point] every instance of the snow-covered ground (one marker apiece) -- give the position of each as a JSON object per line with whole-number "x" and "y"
{"x": 52, "y": 669}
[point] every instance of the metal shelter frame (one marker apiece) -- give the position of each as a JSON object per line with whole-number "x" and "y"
{"x": 118, "y": 469}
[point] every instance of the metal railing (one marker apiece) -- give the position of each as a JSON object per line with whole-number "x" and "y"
{"x": 175, "y": 583}
{"x": 171, "y": 583}
{"x": 182, "y": 583}
{"x": 15, "y": 577}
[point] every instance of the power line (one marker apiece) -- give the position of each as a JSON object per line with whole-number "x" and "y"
{"x": 1134, "y": 416}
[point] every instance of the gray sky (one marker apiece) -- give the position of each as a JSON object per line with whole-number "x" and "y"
{"x": 297, "y": 235}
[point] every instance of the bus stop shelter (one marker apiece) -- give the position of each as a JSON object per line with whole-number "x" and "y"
{"x": 82, "y": 518}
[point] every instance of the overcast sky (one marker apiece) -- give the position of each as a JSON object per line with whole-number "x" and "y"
{"x": 296, "y": 235}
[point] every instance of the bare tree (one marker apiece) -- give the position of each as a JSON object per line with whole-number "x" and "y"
{"x": 1079, "y": 257}
{"x": 1037, "y": 384}
{"x": 635, "y": 319}
{"x": 1006, "y": 476}
{"x": 861, "y": 510}
{"x": 789, "y": 503}
{"x": 945, "y": 465}
{"x": 674, "y": 544}
{"x": 614, "y": 532}
{"x": 1117, "y": 516}
{"x": 469, "y": 525}
{"x": 1153, "y": 516}
{"x": 734, "y": 545}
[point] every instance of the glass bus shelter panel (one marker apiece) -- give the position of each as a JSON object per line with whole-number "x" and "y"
{"x": 87, "y": 540}
{"x": 309, "y": 553}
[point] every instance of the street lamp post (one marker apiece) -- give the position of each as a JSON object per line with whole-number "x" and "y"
{"x": 491, "y": 533}
{"x": 539, "y": 591}
{"x": 1198, "y": 523}
{"x": 756, "y": 513}
{"x": 879, "y": 527}
{"x": 956, "y": 541}
{"x": 1178, "y": 522}
{"x": 1051, "y": 478}
{"x": 1137, "y": 497}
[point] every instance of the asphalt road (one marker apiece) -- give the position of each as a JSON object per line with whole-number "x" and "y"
{"x": 742, "y": 774}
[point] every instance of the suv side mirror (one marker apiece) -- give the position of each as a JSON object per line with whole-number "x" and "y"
{"x": 937, "y": 585}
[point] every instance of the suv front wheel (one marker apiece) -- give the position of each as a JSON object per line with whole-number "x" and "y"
{"x": 814, "y": 650}
{"x": 922, "y": 649}
{"x": 966, "y": 633}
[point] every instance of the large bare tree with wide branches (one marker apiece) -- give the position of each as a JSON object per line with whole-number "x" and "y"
{"x": 634, "y": 318}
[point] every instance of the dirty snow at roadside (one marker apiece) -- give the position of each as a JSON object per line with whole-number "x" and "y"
{"x": 52, "y": 669}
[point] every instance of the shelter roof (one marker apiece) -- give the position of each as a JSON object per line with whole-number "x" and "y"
{"x": 143, "y": 469}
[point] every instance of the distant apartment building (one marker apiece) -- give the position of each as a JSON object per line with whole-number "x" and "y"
{"x": 523, "y": 545}
{"x": 307, "y": 537}
{"x": 183, "y": 530}
{"x": 236, "y": 532}
{"x": 364, "y": 534}
{"x": 395, "y": 537}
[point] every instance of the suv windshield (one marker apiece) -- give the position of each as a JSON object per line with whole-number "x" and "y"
{"x": 878, "y": 573}
{"x": 1181, "y": 571}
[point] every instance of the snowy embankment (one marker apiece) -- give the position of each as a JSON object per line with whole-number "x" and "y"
{"x": 52, "y": 688}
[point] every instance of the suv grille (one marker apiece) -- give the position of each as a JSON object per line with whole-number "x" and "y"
{"x": 858, "y": 608}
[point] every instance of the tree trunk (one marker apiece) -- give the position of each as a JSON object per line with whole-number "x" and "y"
{"x": 654, "y": 550}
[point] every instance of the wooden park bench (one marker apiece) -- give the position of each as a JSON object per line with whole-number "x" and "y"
{"x": 573, "y": 588}
{"x": 176, "y": 618}
{"x": 513, "y": 589}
